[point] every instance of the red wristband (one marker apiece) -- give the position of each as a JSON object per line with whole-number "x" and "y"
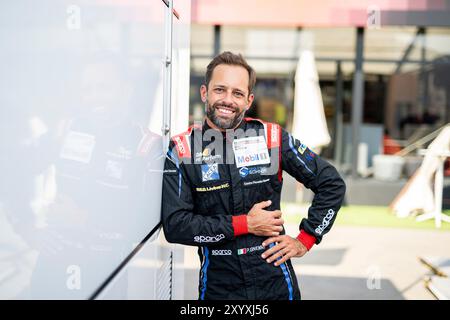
{"x": 307, "y": 239}
{"x": 240, "y": 225}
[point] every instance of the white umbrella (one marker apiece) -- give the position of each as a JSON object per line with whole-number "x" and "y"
{"x": 309, "y": 125}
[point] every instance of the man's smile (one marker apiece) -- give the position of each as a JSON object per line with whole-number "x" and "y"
{"x": 222, "y": 110}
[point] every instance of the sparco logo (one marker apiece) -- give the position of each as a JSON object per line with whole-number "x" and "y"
{"x": 216, "y": 238}
{"x": 325, "y": 222}
{"x": 221, "y": 252}
{"x": 274, "y": 135}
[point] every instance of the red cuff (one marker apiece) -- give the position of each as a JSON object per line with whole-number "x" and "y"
{"x": 307, "y": 239}
{"x": 240, "y": 225}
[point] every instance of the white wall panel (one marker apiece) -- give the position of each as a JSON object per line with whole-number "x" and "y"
{"x": 81, "y": 167}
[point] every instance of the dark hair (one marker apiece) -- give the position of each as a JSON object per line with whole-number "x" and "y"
{"x": 230, "y": 58}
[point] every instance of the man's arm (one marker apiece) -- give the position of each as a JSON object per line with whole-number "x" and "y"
{"x": 319, "y": 176}
{"x": 182, "y": 225}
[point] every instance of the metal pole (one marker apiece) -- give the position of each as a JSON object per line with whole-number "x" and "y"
{"x": 167, "y": 87}
{"x": 338, "y": 121}
{"x": 217, "y": 32}
{"x": 291, "y": 79}
{"x": 423, "y": 74}
{"x": 408, "y": 50}
{"x": 357, "y": 99}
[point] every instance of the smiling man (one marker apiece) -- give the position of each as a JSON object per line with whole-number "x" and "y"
{"x": 229, "y": 94}
{"x": 222, "y": 188}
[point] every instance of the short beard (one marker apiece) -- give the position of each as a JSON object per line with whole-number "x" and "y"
{"x": 223, "y": 123}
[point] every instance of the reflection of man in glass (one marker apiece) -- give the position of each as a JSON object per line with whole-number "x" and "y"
{"x": 100, "y": 175}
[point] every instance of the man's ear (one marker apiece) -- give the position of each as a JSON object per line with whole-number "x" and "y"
{"x": 251, "y": 97}
{"x": 203, "y": 92}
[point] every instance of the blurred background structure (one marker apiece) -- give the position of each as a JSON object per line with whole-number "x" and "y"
{"x": 383, "y": 75}
{"x": 383, "y": 70}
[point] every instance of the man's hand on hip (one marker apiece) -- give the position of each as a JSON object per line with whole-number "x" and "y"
{"x": 284, "y": 248}
{"x": 265, "y": 223}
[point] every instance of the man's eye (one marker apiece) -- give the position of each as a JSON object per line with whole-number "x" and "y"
{"x": 238, "y": 94}
{"x": 218, "y": 90}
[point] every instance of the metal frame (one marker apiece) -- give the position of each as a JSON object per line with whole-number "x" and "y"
{"x": 420, "y": 31}
{"x": 338, "y": 118}
{"x": 167, "y": 75}
{"x": 323, "y": 59}
{"x": 357, "y": 99}
{"x": 217, "y": 39}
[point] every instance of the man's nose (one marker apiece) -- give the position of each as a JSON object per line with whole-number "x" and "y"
{"x": 228, "y": 98}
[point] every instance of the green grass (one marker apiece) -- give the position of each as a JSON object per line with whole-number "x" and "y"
{"x": 368, "y": 216}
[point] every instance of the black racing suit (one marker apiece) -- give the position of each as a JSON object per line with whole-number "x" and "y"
{"x": 205, "y": 200}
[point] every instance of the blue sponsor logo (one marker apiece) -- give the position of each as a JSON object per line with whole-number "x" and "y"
{"x": 210, "y": 172}
{"x": 244, "y": 171}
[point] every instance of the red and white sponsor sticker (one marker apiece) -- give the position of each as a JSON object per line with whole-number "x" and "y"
{"x": 272, "y": 135}
{"x": 182, "y": 146}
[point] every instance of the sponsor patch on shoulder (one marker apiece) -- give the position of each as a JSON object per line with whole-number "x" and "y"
{"x": 310, "y": 155}
{"x": 302, "y": 148}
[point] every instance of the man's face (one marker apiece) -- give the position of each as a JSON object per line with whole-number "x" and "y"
{"x": 105, "y": 94}
{"x": 227, "y": 97}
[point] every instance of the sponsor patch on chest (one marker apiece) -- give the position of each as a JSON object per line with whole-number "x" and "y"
{"x": 213, "y": 188}
{"x": 249, "y": 250}
{"x": 244, "y": 171}
{"x": 249, "y": 183}
{"x": 210, "y": 172}
{"x": 250, "y": 151}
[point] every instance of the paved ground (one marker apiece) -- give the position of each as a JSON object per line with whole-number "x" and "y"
{"x": 357, "y": 263}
